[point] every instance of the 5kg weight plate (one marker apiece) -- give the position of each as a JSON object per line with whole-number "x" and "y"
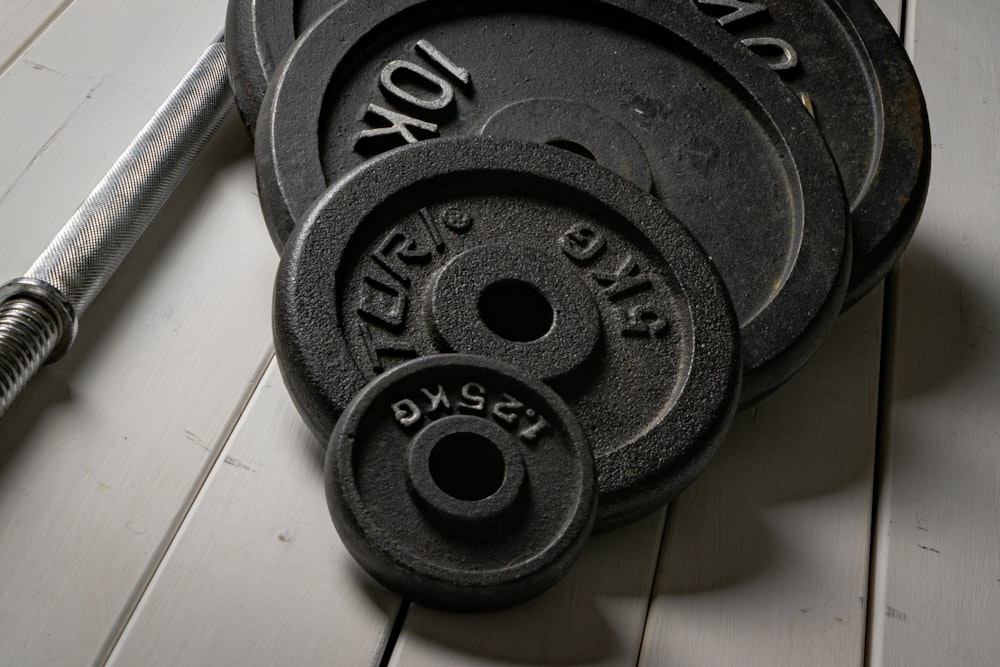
{"x": 846, "y": 61}
{"x": 532, "y": 256}
{"x": 460, "y": 483}
{"x": 650, "y": 90}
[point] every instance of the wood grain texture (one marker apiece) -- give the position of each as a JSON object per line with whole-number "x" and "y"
{"x": 893, "y": 10}
{"x": 101, "y": 455}
{"x": 594, "y": 616}
{"x": 765, "y": 559}
{"x": 257, "y": 574}
{"x": 936, "y": 598}
{"x": 710, "y": 606}
{"x": 259, "y": 538}
{"x": 75, "y": 100}
{"x": 21, "y": 21}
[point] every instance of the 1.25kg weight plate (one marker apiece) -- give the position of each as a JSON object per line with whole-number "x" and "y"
{"x": 533, "y": 256}
{"x": 648, "y": 89}
{"x": 846, "y": 61}
{"x": 460, "y": 483}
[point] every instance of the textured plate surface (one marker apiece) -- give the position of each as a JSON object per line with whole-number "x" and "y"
{"x": 847, "y": 62}
{"x": 258, "y": 34}
{"x": 461, "y": 483}
{"x": 650, "y": 365}
{"x": 716, "y": 136}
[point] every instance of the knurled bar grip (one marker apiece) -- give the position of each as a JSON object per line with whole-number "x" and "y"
{"x": 39, "y": 312}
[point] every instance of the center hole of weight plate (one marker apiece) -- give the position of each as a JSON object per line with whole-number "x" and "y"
{"x": 572, "y": 147}
{"x": 467, "y": 466}
{"x": 515, "y": 310}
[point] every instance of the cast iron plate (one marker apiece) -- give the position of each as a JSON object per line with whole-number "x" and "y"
{"x": 460, "y": 483}
{"x": 730, "y": 150}
{"x": 258, "y": 35}
{"x": 863, "y": 91}
{"x": 641, "y": 341}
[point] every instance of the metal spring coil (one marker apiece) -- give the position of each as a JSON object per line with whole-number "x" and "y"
{"x": 29, "y": 332}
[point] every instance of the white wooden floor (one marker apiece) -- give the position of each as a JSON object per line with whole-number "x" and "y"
{"x": 161, "y": 502}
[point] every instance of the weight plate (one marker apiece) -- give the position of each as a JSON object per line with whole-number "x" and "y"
{"x": 657, "y": 92}
{"x": 847, "y": 63}
{"x": 460, "y": 483}
{"x": 533, "y": 256}
{"x": 258, "y": 34}
{"x": 843, "y": 57}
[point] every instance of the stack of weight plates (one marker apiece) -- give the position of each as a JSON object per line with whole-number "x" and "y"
{"x": 535, "y": 255}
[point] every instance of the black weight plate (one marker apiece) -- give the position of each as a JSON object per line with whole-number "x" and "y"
{"x": 460, "y": 483}
{"x": 846, "y": 61}
{"x": 533, "y": 256}
{"x": 258, "y": 34}
{"x": 727, "y": 147}
{"x": 842, "y": 55}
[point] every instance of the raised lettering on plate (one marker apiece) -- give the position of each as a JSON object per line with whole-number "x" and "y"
{"x": 582, "y": 243}
{"x": 374, "y": 302}
{"x": 406, "y": 412}
{"x": 438, "y": 399}
{"x": 398, "y": 250}
{"x": 382, "y": 348}
{"x": 507, "y": 408}
{"x": 628, "y": 279}
{"x": 741, "y": 9}
{"x": 644, "y": 321}
{"x": 400, "y": 130}
{"x": 430, "y": 52}
{"x": 767, "y": 47}
{"x": 473, "y": 398}
{"x": 443, "y": 96}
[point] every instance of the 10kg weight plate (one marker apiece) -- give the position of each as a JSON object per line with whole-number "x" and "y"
{"x": 846, "y": 61}
{"x": 258, "y": 35}
{"x": 650, "y": 89}
{"x": 533, "y": 256}
{"x": 842, "y": 56}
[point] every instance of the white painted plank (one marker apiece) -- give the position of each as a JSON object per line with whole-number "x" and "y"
{"x": 802, "y": 462}
{"x": 21, "y": 21}
{"x": 74, "y": 101}
{"x": 936, "y": 597}
{"x": 765, "y": 559}
{"x": 768, "y": 462}
{"x": 893, "y": 10}
{"x": 101, "y": 455}
{"x": 257, "y": 574}
{"x": 594, "y": 616}
{"x": 263, "y": 511}
{"x": 757, "y": 567}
